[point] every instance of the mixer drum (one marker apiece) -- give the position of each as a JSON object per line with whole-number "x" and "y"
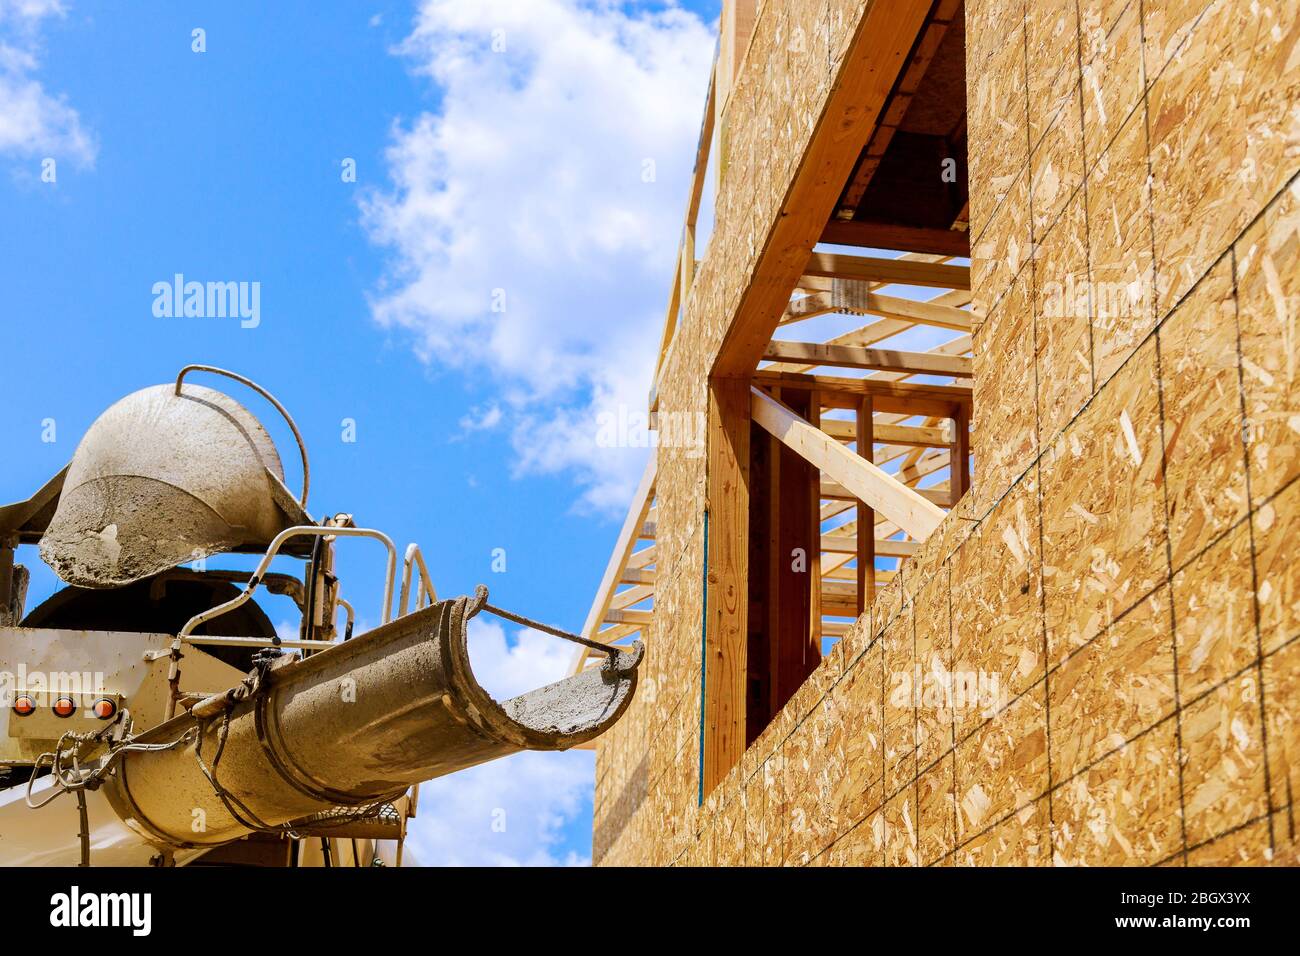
{"x": 161, "y": 479}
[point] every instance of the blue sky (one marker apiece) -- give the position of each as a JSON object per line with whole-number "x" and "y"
{"x": 518, "y": 169}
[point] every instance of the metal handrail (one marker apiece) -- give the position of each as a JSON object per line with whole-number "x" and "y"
{"x": 414, "y": 558}
{"x": 186, "y": 633}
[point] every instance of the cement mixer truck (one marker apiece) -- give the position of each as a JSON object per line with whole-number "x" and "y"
{"x": 150, "y": 713}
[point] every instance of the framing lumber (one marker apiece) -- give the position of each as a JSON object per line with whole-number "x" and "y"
{"x": 639, "y": 618}
{"x": 848, "y": 544}
{"x": 924, "y": 436}
{"x": 727, "y": 581}
{"x": 868, "y": 72}
{"x": 884, "y": 235}
{"x": 890, "y": 395}
{"x": 627, "y": 538}
{"x": 912, "y": 512}
{"x": 834, "y": 265}
{"x": 867, "y": 546}
{"x": 816, "y": 354}
{"x": 919, "y": 311}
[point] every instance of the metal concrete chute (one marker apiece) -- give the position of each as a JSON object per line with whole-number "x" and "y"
{"x": 353, "y": 726}
{"x": 167, "y": 475}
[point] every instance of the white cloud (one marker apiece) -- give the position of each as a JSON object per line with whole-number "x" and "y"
{"x": 509, "y": 812}
{"x": 525, "y": 242}
{"x": 482, "y": 419}
{"x": 34, "y": 122}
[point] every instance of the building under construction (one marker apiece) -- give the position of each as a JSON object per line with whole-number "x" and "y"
{"x": 986, "y": 563}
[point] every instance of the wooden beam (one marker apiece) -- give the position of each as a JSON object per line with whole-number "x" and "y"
{"x": 959, "y": 456}
{"x": 868, "y": 70}
{"x": 814, "y": 503}
{"x": 848, "y": 544}
{"x": 816, "y": 354}
{"x": 884, "y": 235}
{"x": 834, "y": 265}
{"x": 633, "y": 595}
{"x": 908, "y": 398}
{"x": 867, "y": 547}
{"x": 635, "y": 576}
{"x": 677, "y": 294}
{"x": 902, "y": 505}
{"x": 918, "y": 311}
{"x": 926, "y": 437}
{"x": 618, "y": 559}
{"x": 938, "y": 494}
{"x": 639, "y": 559}
{"x": 639, "y": 618}
{"x": 727, "y": 581}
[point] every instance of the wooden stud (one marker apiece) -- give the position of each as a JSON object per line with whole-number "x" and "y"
{"x": 727, "y": 593}
{"x": 866, "y": 540}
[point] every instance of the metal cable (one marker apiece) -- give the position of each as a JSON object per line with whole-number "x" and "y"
{"x": 480, "y": 603}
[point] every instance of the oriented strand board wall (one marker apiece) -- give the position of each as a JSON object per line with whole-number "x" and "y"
{"x": 1125, "y": 566}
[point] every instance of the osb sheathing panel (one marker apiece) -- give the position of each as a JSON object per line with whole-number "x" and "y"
{"x": 931, "y": 681}
{"x": 1112, "y": 79}
{"x": 1134, "y": 719}
{"x": 860, "y": 699}
{"x": 1123, "y": 810}
{"x": 1005, "y": 429}
{"x": 1056, "y": 161}
{"x": 936, "y": 812}
{"x": 997, "y": 148}
{"x": 895, "y": 830}
{"x": 1103, "y": 521}
{"x": 1018, "y": 840}
{"x": 1223, "y": 772}
{"x": 1214, "y": 616}
{"x": 997, "y": 606}
{"x": 1224, "y": 134}
{"x": 1268, "y": 296}
{"x": 1002, "y": 766}
{"x": 1205, "y": 462}
{"x": 1276, "y": 528}
{"x": 1282, "y": 710}
{"x": 1119, "y": 246}
{"x": 1052, "y": 65}
{"x": 1063, "y": 338}
{"x": 1113, "y": 689}
{"x": 1002, "y": 251}
{"x": 899, "y": 646}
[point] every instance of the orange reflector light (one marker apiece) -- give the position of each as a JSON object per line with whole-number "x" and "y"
{"x": 24, "y": 706}
{"x": 104, "y": 708}
{"x": 65, "y": 707}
